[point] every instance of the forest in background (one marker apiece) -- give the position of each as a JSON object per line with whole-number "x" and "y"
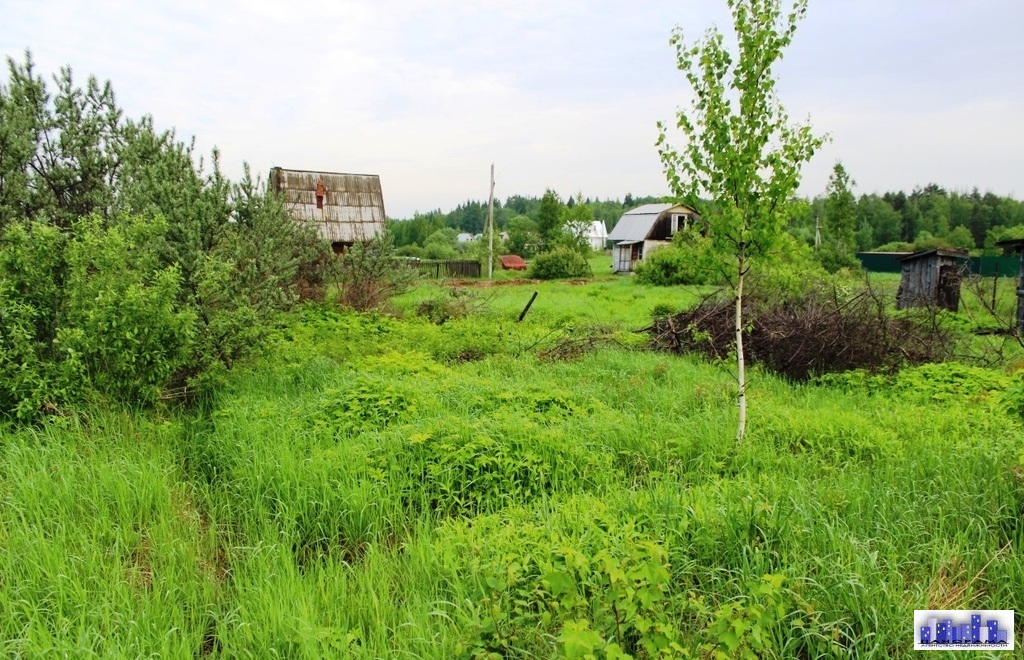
{"x": 929, "y": 216}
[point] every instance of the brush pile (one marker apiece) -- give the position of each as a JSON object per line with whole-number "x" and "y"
{"x": 822, "y": 332}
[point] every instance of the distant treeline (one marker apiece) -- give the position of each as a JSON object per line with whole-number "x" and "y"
{"x": 893, "y": 221}
{"x": 471, "y": 217}
{"x": 926, "y": 217}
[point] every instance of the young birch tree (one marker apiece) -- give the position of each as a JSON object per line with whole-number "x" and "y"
{"x": 741, "y": 152}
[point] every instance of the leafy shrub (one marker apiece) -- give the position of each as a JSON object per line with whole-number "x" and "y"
{"x": 559, "y": 263}
{"x": 833, "y": 259}
{"x": 369, "y": 275}
{"x": 126, "y": 267}
{"x": 789, "y": 273}
{"x": 453, "y": 303}
{"x": 603, "y": 592}
{"x": 367, "y": 405}
{"x": 932, "y": 383}
{"x": 413, "y": 251}
{"x": 96, "y": 310}
{"x": 690, "y": 259}
{"x": 122, "y": 318}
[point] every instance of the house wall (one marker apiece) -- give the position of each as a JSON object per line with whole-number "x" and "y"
{"x": 650, "y": 246}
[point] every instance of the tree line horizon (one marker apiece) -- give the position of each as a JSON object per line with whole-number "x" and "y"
{"x": 894, "y": 221}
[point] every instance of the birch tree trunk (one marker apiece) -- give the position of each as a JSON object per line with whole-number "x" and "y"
{"x": 741, "y": 365}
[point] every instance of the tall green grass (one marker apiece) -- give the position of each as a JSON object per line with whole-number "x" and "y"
{"x": 395, "y": 488}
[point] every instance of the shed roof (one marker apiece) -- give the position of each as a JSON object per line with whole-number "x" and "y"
{"x": 636, "y": 224}
{"x": 353, "y": 205}
{"x": 1013, "y": 244}
{"x": 938, "y": 252}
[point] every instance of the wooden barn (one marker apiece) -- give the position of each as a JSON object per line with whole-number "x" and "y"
{"x": 1017, "y": 246}
{"x": 931, "y": 279}
{"x": 345, "y": 207}
{"x": 645, "y": 228}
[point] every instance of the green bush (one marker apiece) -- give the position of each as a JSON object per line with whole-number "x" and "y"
{"x": 124, "y": 266}
{"x": 122, "y": 317}
{"x": 789, "y": 273}
{"x": 689, "y": 260}
{"x": 94, "y": 311}
{"x": 559, "y": 263}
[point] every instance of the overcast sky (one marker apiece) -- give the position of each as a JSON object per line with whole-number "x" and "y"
{"x": 556, "y": 93}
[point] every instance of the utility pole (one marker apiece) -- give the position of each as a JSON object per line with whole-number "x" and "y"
{"x": 490, "y": 223}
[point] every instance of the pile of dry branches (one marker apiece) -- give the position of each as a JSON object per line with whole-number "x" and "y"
{"x": 823, "y": 332}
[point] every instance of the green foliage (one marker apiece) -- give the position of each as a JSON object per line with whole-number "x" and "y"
{"x": 960, "y": 237}
{"x": 160, "y": 274}
{"x": 744, "y": 628}
{"x": 839, "y": 240}
{"x": 690, "y": 259}
{"x": 789, "y": 272}
{"x": 930, "y": 383}
{"x": 607, "y": 595}
{"x": 559, "y": 263}
{"x": 550, "y": 220}
{"x": 745, "y": 159}
{"x": 358, "y": 492}
{"x": 122, "y": 321}
{"x": 96, "y": 311}
{"x": 441, "y": 245}
{"x": 523, "y": 237}
{"x": 576, "y": 222}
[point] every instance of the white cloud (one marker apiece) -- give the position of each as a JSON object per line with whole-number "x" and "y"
{"x": 562, "y": 94}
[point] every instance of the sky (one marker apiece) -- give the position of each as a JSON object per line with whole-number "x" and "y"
{"x": 561, "y": 94}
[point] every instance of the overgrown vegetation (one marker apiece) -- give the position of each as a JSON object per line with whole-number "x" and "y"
{"x": 422, "y": 471}
{"x": 127, "y": 271}
{"x": 368, "y": 491}
{"x": 369, "y": 276}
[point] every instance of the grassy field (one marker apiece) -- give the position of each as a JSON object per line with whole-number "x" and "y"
{"x": 392, "y": 487}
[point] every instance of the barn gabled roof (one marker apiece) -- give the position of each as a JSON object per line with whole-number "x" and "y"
{"x": 352, "y": 209}
{"x": 636, "y": 225}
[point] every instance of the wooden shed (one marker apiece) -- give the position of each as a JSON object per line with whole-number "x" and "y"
{"x": 1017, "y": 246}
{"x": 345, "y": 207}
{"x": 931, "y": 279}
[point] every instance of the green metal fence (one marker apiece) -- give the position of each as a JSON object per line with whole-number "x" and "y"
{"x": 888, "y": 262}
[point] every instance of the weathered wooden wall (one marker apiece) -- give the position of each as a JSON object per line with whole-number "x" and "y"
{"x": 932, "y": 280}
